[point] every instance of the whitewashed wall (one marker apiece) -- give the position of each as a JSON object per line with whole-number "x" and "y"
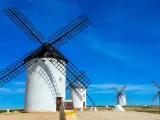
{"x": 77, "y": 102}
{"x": 121, "y": 99}
{"x": 39, "y": 96}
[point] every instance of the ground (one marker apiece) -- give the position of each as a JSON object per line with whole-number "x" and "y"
{"x": 99, "y": 115}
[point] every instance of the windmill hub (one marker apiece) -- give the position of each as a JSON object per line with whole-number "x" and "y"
{"x": 121, "y": 93}
{"x": 42, "y": 52}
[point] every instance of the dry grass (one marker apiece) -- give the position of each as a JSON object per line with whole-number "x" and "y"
{"x": 149, "y": 109}
{"x": 99, "y": 115}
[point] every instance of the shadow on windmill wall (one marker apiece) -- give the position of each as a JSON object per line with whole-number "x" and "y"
{"x": 45, "y": 72}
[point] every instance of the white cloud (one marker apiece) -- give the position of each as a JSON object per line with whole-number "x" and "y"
{"x": 5, "y": 90}
{"x": 135, "y": 88}
{"x": 12, "y": 91}
{"x": 140, "y": 87}
{"x": 19, "y": 83}
{"x": 20, "y": 90}
{"x": 145, "y": 92}
{"x": 125, "y": 52}
{"x": 100, "y": 91}
{"x": 104, "y": 86}
{"x": 130, "y": 53}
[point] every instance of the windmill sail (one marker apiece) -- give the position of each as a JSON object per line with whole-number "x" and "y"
{"x": 73, "y": 72}
{"x": 91, "y": 100}
{"x": 71, "y": 86}
{"x": 77, "y": 92}
{"x": 52, "y": 84}
{"x": 23, "y": 23}
{"x": 123, "y": 88}
{"x": 156, "y": 84}
{"x": 121, "y": 97}
{"x": 157, "y": 96}
{"x": 115, "y": 89}
{"x": 79, "y": 78}
{"x": 56, "y": 39}
{"x": 69, "y": 31}
{"x": 57, "y": 59}
{"x": 14, "y": 69}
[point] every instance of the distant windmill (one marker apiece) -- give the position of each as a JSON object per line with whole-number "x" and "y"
{"x": 158, "y": 93}
{"x": 121, "y": 97}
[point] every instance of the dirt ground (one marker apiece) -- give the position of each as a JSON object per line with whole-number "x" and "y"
{"x": 99, "y": 115}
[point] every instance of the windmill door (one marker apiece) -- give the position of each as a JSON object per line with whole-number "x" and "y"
{"x": 58, "y": 102}
{"x": 84, "y": 104}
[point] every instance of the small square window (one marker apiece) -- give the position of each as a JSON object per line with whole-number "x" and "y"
{"x": 60, "y": 79}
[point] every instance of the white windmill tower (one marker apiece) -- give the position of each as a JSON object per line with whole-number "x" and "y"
{"x": 44, "y": 81}
{"x": 121, "y": 96}
{"x": 158, "y": 93}
{"x": 79, "y": 100}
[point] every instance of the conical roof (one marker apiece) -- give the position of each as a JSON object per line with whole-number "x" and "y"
{"x": 42, "y": 52}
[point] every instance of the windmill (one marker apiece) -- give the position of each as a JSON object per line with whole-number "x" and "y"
{"x": 158, "y": 93}
{"x": 121, "y": 97}
{"x": 80, "y": 99}
{"x": 45, "y": 62}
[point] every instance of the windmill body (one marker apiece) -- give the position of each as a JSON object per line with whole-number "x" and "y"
{"x": 121, "y": 96}
{"x": 78, "y": 102}
{"x": 44, "y": 82}
{"x": 121, "y": 99}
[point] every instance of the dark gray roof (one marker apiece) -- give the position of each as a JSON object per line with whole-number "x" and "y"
{"x": 42, "y": 52}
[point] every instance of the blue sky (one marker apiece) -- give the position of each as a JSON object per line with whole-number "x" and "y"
{"x": 120, "y": 47}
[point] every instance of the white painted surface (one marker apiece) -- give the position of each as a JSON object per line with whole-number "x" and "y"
{"x": 121, "y": 99}
{"x": 40, "y": 96}
{"x": 93, "y": 108}
{"x": 81, "y": 109}
{"x": 7, "y": 111}
{"x": 77, "y": 102}
{"x": 119, "y": 108}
